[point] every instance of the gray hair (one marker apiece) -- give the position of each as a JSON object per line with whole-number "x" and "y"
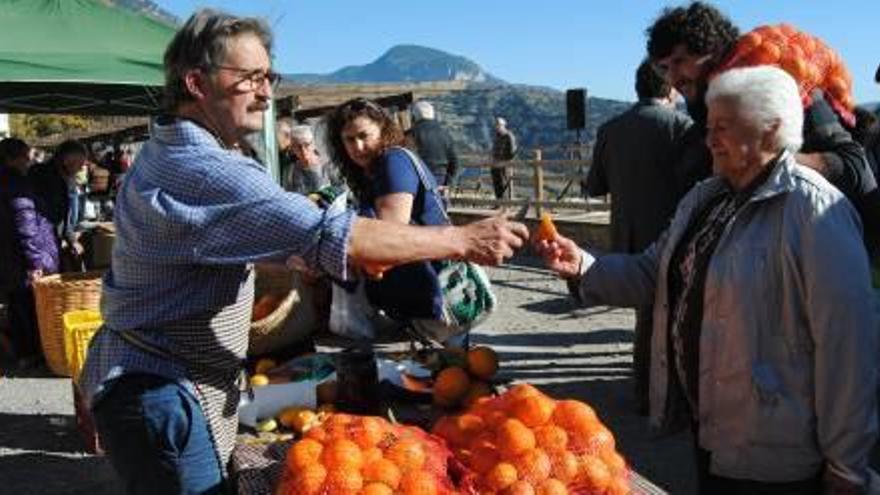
{"x": 501, "y": 121}
{"x": 765, "y": 95}
{"x": 201, "y": 44}
{"x": 302, "y": 134}
{"x": 422, "y": 110}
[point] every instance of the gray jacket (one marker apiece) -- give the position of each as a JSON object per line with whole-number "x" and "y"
{"x": 789, "y": 345}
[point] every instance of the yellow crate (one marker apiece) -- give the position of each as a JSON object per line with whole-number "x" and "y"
{"x": 79, "y": 328}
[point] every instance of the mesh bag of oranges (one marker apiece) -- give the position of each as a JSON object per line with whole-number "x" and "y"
{"x": 526, "y": 442}
{"x": 811, "y": 63}
{"x": 367, "y": 455}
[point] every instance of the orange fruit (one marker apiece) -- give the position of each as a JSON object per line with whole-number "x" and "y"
{"x": 451, "y": 386}
{"x": 371, "y": 455}
{"x": 446, "y": 429}
{"x": 533, "y": 411}
{"x": 593, "y": 474}
{"x": 615, "y": 462}
{"x": 533, "y": 466}
{"x": 546, "y": 229}
{"x": 339, "y": 453}
{"x": 466, "y": 427}
{"x": 521, "y": 487}
{"x": 552, "y": 486}
{"x": 383, "y": 471}
{"x": 500, "y": 477}
{"x": 368, "y": 432}
{"x": 482, "y": 362}
{"x": 551, "y": 438}
{"x": 259, "y": 380}
{"x": 418, "y": 483}
{"x": 344, "y": 481}
{"x": 619, "y": 486}
{"x": 408, "y": 454}
{"x": 478, "y": 393}
{"x": 483, "y": 455}
{"x": 602, "y": 440}
{"x": 264, "y": 365}
{"x": 565, "y": 466}
{"x": 317, "y": 433}
{"x": 520, "y": 391}
{"x": 305, "y": 452}
{"x": 748, "y": 42}
{"x": 377, "y": 489}
{"x": 514, "y": 438}
{"x": 573, "y": 416}
{"x": 309, "y": 480}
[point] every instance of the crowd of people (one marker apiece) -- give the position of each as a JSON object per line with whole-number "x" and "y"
{"x": 742, "y": 234}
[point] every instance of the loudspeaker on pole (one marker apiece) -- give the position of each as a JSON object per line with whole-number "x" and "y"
{"x": 576, "y": 108}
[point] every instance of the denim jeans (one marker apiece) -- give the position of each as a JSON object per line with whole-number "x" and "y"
{"x": 157, "y": 438}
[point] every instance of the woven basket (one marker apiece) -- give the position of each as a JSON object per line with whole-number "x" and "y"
{"x": 56, "y": 295}
{"x": 279, "y": 282}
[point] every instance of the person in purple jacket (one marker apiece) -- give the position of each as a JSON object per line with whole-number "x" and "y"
{"x": 28, "y": 247}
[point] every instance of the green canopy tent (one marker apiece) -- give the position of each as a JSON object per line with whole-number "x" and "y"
{"x": 80, "y": 57}
{"x": 88, "y": 58}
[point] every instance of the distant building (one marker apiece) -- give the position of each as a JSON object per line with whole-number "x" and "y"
{"x": 4, "y": 125}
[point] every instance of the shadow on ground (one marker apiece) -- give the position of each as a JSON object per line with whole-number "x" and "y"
{"x": 52, "y": 474}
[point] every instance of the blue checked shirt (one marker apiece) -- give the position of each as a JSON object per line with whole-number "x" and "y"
{"x": 189, "y": 219}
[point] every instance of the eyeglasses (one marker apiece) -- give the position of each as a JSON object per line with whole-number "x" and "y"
{"x": 253, "y": 79}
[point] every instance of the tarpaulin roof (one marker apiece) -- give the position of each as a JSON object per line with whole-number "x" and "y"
{"x": 79, "y": 57}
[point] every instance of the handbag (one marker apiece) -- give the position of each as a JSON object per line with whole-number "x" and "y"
{"x": 464, "y": 288}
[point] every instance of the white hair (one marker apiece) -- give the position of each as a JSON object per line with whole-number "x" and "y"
{"x": 422, "y": 110}
{"x": 302, "y": 134}
{"x": 765, "y": 95}
{"x": 500, "y": 121}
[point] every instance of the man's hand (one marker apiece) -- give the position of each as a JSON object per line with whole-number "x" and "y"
{"x": 491, "y": 241}
{"x": 561, "y": 255}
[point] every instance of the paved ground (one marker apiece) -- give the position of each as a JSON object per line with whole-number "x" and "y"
{"x": 582, "y": 354}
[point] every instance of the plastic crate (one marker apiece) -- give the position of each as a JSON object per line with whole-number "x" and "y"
{"x": 79, "y": 328}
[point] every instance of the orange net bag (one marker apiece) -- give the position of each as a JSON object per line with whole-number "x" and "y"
{"x": 350, "y": 454}
{"x": 811, "y": 63}
{"x": 526, "y": 442}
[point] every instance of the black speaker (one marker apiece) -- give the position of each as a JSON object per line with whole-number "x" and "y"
{"x": 576, "y": 108}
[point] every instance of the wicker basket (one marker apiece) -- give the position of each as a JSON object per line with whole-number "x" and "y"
{"x": 278, "y": 281}
{"x": 56, "y": 295}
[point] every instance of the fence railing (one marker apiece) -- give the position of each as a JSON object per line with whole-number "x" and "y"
{"x": 553, "y": 184}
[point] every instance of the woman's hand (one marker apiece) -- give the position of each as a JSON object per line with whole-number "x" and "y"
{"x": 561, "y": 255}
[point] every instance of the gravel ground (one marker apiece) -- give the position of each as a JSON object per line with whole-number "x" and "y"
{"x": 542, "y": 339}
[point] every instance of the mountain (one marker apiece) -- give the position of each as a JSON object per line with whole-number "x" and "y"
{"x": 146, "y": 7}
{"x": 405, "y": 63}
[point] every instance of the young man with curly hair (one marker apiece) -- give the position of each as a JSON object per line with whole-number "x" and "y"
{"x": 686, "y": 44}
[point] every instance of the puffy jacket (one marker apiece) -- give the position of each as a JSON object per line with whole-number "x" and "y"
{"x": 27, "y": 241}
{"x": 789, "y": 345}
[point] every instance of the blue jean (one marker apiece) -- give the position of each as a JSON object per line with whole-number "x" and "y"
{"x": 157, "y": 438}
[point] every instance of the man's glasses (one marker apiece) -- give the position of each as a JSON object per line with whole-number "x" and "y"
{"x": 253, "y": 79}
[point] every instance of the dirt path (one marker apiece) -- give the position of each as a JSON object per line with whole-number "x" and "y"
{"x": 582, "y": 354}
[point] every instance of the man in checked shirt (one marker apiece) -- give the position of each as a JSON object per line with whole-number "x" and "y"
{"x": 191, "y": 217}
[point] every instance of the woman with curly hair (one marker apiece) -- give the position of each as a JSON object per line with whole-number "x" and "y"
{"x": 389, "y": 182}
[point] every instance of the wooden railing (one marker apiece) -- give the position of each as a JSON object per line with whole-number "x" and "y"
{"x": 539, "y": 175}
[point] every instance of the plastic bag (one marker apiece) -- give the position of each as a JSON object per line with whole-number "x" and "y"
{"x": 351, "y": 314}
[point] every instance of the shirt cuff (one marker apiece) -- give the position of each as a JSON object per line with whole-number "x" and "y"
{"x": 333, "y": 244}
{"x": 574, "y": 283}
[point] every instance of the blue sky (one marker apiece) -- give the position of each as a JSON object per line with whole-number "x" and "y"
{"x": 558, "y": 43}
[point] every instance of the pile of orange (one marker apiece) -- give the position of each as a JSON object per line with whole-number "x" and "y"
{"x": 805, "y": 57}
{"x": 350, "y": 454}
{"x": 526, "y": 442}
{"x": 468, "y": 381}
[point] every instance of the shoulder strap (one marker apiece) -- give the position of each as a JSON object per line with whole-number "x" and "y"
{"x": 419, "y": 166}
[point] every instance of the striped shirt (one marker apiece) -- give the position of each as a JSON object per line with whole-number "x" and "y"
{"x": 190, "y": 219}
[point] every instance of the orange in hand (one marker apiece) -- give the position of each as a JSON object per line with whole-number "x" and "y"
{"x": 546, "y": 229}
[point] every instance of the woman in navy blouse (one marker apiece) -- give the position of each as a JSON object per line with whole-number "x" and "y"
{"x": 388, "y": 182}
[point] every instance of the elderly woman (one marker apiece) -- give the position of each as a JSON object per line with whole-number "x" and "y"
{"x": 309, "y": 172}
{"x": 764, "y": 335}
{"x": 389, "y": 182}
